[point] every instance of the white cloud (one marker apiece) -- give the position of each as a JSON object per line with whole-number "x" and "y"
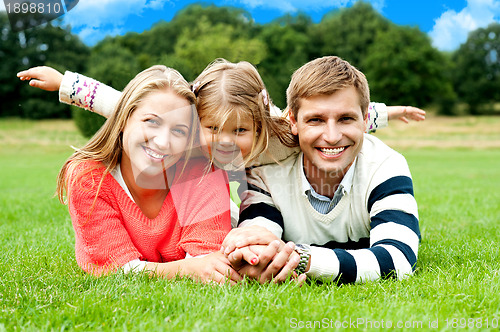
{"x": 95, "y": 19}
{"x": 294, "y": 5}
{"x": 2, "y": 6}
{"x": 452, "y": 28}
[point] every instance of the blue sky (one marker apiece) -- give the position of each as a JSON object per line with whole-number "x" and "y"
{"x": 447, "y": 22}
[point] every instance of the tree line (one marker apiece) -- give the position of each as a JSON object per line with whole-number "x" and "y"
{"x": 400, "y": 62}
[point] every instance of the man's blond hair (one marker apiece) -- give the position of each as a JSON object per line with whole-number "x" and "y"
{"x": 325, "y": 76}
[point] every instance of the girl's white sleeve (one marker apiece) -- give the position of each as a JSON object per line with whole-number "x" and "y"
{"x": 377, "y": 117}
{"x": 79, "y": 90}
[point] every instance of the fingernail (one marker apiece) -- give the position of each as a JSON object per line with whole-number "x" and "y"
{"x": 276, "y": 242}
{"x": 291, "y": 245}
{"x": 253, "y": 261}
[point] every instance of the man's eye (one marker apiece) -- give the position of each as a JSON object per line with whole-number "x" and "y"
{"x": 347, "y": 118}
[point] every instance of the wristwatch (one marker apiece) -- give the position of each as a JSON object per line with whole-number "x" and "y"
{"x": 304, "y": 252}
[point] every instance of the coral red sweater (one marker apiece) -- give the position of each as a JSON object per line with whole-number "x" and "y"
{"x": 111, "y": 230}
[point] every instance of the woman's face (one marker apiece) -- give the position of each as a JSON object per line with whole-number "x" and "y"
{"x": 157, "y": 133}
{"x": 231, "y": 143}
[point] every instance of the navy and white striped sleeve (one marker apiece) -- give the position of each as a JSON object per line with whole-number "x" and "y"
{"x": 257, "y": 207}
{"x": 394, "y": 234}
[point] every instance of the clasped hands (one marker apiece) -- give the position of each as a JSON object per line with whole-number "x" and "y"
{"x": 257, "y": 253}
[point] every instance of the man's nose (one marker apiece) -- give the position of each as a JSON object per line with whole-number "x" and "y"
{"x": 332, "y": 133}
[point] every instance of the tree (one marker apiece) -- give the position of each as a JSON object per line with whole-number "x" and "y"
{"x": 11, "y": 61}
{"x": 162, "y": 38}
{"x": 57, "y": 47}
{"x": 348, "y": 33}
{"x": 204, "y": 42}
{"x": 42, "y": 45}
{"x": 287, "y": 46}
{"x": 403, "y": 68}
{"x": 477, "y": 74}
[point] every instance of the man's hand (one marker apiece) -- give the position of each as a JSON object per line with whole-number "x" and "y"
{"x": 43, "y": 77}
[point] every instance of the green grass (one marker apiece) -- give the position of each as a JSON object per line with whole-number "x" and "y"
{"x": 42, "y": 288}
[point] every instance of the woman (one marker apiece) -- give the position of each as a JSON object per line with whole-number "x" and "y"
{"x": 137, "y": 200}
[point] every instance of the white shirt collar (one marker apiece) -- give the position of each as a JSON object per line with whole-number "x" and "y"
{"x": 117, "y": 174}
{"x": 346, "y": 182}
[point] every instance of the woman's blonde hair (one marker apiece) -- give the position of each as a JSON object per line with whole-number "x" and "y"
{"x": 225, "y": 88}
{"x": 106, "y": 146}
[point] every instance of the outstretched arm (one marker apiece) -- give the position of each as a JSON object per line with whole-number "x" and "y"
{"x": 379, "y": 115}
{"x": 74, "y": 89}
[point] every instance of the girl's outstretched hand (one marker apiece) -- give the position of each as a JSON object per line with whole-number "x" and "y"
{"x": 43, "y": 77}
{"x": 405, "y": 113}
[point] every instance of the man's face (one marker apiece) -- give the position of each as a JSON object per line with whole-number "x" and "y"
{"x": 330, "y": 129}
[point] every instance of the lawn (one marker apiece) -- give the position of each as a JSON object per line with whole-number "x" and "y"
{"x": 455, "y": 165}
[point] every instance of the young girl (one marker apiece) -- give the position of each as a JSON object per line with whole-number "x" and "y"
{"x": 240, "y": 124}
{"x": 136, "y": 197}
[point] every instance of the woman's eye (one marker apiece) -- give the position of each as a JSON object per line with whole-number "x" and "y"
{"x": 152, "y": 121}
{"x": 179, "y": 132}
{"x": 213, "y": 128}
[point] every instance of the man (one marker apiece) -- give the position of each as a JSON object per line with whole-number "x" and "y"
{"x": 346, "y": 199}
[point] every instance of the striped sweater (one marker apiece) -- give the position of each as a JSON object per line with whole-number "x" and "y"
{"x": 372, "y": 232}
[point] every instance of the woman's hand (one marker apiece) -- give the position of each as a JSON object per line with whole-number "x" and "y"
{"x": 43, "y": 77}
{"x": 214, "y": 267}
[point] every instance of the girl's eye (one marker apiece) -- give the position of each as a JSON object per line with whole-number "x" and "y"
{"x": 240, "y": 130}
{"x": 213, "y": 129}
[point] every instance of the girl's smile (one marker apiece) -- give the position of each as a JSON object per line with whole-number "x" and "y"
{"x": 231, "y": 141}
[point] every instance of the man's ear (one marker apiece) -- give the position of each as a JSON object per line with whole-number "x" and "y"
{"x": 365, "y": 120}
{"x": 293, "y": 124}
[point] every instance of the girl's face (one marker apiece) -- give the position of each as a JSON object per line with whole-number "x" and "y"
{"x": 233, "y": 142}
{"x": 157, "y": 133}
